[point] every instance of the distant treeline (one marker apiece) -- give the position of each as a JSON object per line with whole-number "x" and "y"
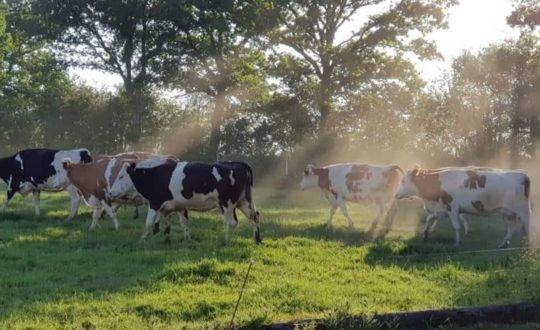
{"x": 267, "y": 81}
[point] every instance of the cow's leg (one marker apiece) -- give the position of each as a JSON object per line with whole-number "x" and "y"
{"x": 464, "y": 223}
{"x": 96, "y": 215}
{"x": 431, "y": 222}
{"x": 526, "y": 225}
{"x": 390, "y": 216}
{"x": 183, "y": 217}
{"x": 454, "y": 218}
{"x": 111, "y": 214}
{"x": 75, "y": 201}
{"x": 136, "y": 213}
{"x": 253, "y": 216}
{"x": 167, "y": 231}
{"x": 9, "y": 195}
{"x": 375, "y": 222}
{"x": 230, "y": 220}
{"x": 333, "y": 208}
{"x": 35, "y": 201}
{"x": 343, "y": 208}
{"x": 513, "y": 224}
{"x": 116, "y": 207}
{"x": 150, "y": 217}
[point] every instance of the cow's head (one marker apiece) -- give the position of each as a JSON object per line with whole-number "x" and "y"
{"x": 309, "y": 179}
{"x": 407, "y": 187}
{"x": 123, "y": 187}
{"x": 85, "y": 156}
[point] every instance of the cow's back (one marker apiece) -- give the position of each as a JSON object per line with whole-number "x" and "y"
{"x": 357, "y": 182}
{"x": 482, "y": 190}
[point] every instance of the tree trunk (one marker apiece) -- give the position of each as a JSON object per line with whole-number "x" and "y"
{"x": 136, "y": 104}
{"x": 534, "y": 131}
{"x": 516, "y": 124}
{"x": 325, "y": 106}
{"x": 217, "y": 119}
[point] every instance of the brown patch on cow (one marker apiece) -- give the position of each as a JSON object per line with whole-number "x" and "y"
{"x": 474, "y": 180}
{"x": 324, "y": 178}
{"x": 89, "y": 178}
{"x": 479, "y": 206}
{"x": 527, "y": 186}
{"x": 430, "y": 188}
{"x": 357, "y": 173}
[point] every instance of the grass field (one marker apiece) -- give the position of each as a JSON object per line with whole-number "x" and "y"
{"x": 61, "y": 275}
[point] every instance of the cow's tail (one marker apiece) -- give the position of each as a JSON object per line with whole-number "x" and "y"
{"x": 249, "y": 184}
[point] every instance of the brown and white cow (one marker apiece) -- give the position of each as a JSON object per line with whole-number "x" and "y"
{"x": 94, "y": 180}
{"x": 447, "y": 192}
{"x": 359, "y": 183}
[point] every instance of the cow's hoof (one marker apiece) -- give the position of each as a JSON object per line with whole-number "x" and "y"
{"x": 504, "y": 245}
{"x": 168, "y": 240}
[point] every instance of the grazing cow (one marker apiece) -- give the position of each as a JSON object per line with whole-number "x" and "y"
{"x": 36, "y": 170}
{"x": 93, "y": 181}
{"x": 181, "y": 186}
{"x": 359, "y": 183}
{"x": 447, "y": 192}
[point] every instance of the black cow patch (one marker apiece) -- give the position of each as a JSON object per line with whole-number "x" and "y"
{"x": 153, "y": 182}
{"x": 199, "y": 178}
{"x": 85, "y": 157}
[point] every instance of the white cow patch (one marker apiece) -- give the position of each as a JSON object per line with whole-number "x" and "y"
{"x": 151, "y": 162}
{"x": 19, "y": 159}
{"x": 216, "y": 174}
{"x": 231, "y": 178}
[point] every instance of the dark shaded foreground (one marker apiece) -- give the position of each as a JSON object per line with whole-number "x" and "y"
{"x": 519, "y": 313}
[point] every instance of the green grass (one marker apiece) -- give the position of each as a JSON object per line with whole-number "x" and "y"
{"x": 61, "y": 275}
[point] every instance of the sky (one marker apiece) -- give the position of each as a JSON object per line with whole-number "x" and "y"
{"x": 473, "y": 25}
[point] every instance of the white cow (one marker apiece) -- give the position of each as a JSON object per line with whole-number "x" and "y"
{"x": 447, "y": 192}
{"x": 359, "y": 183}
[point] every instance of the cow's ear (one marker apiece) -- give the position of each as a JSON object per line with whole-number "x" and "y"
{"x": 66, "y": 164}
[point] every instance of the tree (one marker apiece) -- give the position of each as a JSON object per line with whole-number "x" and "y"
{"x": 526, "y": 13}
{"x": 311, "y": 29}
{"x": 489, "y": 108}
{"x": 129, "y": 38}
{"x": 220, "y": 59}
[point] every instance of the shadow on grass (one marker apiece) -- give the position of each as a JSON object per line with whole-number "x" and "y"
{"x": 46, "y": 261}
{"x": 485, "y": 233}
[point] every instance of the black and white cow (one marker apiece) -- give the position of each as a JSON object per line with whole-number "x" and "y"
{"x": 172, "y": 186}
{"x": 36, "y": 170}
